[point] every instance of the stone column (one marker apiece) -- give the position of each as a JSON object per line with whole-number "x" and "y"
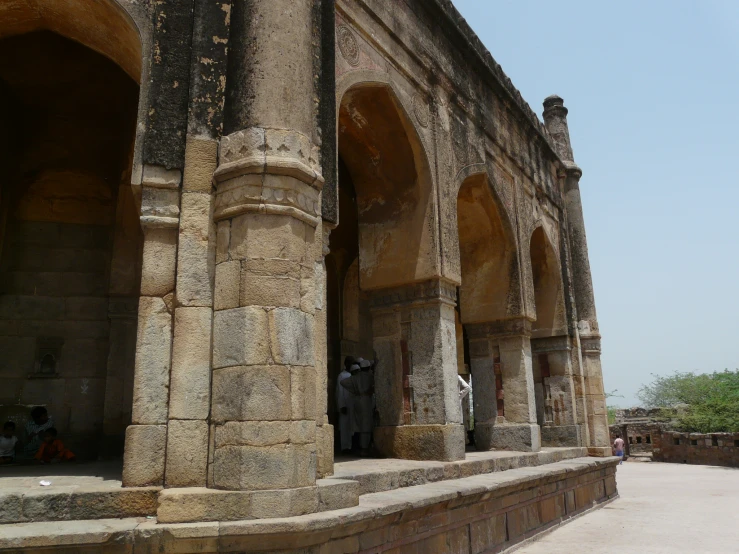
{"x": 552, "y": 359}
{"x": 267, "y": 209}
{"x": 503, "y": 386}
{"x": 555, "y": 118}
{"x": 324, "y": 431}
{"x": 416, "y": 376}
{"x": 189, "y": 396}
{"x": 144, "y": 456}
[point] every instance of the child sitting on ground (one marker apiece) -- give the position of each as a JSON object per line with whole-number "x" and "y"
{"x": 7, "y": 443}
{"x": 35, "y": 429}
{"x": 52, "y": 449}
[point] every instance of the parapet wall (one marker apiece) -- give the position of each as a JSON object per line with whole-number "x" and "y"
{"x": 716, "y": 449}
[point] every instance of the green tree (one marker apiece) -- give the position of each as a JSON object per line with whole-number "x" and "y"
{"x": 713, "y": 399}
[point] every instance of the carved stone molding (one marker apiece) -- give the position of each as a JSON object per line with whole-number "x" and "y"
{"x": 551, "y": 344}
{"x": 252, "y": 162}
{"x": 347, "y": 45}
{"x": 501, "y": 328}
{"x": 433, "y": 290}
{"x": 160, "y": 206}
{"x": 590, "y": 345}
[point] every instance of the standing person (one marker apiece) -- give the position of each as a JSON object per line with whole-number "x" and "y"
{"x": 618, "y": 446}
{"x": 7, "y": 443}
{"x": 362, "y": 386}
{"x": 345, "y": 407}
{"x": 35, "y": 429}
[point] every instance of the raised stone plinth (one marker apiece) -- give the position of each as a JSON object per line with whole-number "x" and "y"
{"x": 520, "y": 437}
{"x": 201, "y": 504}
{"x": 489, "y": 512}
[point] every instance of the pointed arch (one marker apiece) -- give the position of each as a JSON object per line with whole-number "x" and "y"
{"x": 487, "y": 251}
{"x": 548, "y": 290}
{"x": 383, "y": 152}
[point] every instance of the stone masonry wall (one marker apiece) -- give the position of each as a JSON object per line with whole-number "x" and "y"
{"x": 716, "y": 449}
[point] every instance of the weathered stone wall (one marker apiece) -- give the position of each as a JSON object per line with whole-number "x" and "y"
{"x": 716, "y": 449}
{"x": 638, "y": 437}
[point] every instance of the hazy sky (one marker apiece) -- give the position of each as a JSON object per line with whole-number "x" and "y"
{"x": 653, "y": 93}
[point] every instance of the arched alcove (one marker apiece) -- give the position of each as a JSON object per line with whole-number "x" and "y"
{"x": 486, "y": 252}
{"x": 547, "y": 286}
{"x": 69, "y": 232}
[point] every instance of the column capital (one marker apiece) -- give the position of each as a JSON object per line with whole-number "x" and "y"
{"x": 551, "y": 344}
{"x": 423, "y": 292}
{"x": 519, "y": 326}
{"x": 268, "y": 170}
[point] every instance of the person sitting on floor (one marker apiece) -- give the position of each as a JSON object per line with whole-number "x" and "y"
{"x": 35, "y": 429}
{"x": 8, "y": 441}
{"x": 52, "y": 449}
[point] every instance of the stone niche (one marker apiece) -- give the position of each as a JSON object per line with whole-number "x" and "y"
{"x": 69, "y": 121}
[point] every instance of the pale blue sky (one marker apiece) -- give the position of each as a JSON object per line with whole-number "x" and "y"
{"x": 653, "y": 92}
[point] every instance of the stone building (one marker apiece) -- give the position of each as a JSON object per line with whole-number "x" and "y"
{"x": 207, "y": 204}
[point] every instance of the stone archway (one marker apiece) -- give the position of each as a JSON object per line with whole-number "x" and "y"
{"x": 552, "y": 368}
{"x": 386, "y": 243}
{"x": 498, "y": 337}
{"x": 69, "y": 235}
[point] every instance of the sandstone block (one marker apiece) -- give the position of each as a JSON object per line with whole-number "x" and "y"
{"x": 227, "y": 283}
{"x": 268, "y": 236}
{"x": 254, "y": 393}
{"x": 308, "y": 287}
{"x": 143, "y": 459}
{"x": 196, "y": 251}
{"x": 201, "y": 504}
{"x": 187, "y": 453}
{"x": 269, "y": 467}
{"x": 190, "y": 383}
{"x": 325, "y": 450}
{"x": 159, "y": 261}
{"x": 335, "y": 494}
{"x": 263, "y": 433}
{"x": 421, "y": 442}
{"x": 240, "y": 337}
{"x": 223, "y": 237}
{"x": 269, "y": 290}
{"x": 153, "y": 350}
{"x": 291, "y": 333}
{"x": 284, "y": 503}
{"x": 302, "y": 393}
{"x": 201, "y": 159}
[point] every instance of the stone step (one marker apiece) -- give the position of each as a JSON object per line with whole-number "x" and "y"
{"x": 388, "y": 474}
{"x": 75, "y": 502}
{"x": 486, "y": 512}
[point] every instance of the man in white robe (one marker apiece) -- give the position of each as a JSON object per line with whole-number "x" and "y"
{"x": 345, "y": 407}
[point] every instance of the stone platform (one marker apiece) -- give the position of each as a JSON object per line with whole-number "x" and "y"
{"x": 94, "y": 491}
{"x": 489, "y": 512}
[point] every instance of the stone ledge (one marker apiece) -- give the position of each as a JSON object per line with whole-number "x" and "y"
{"x": 194, "y": 504}
{"x": 58, "y": 503}
{"x": 388, "y": 474}
{"x": 526, "y": 501}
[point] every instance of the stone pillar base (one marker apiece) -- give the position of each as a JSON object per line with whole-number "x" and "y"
{"x": 561, "y": 435}
{"x": 325, "y": 450}
{"x": 193, "y": 504}
{"x": 521, "y": 437}
{"x": 600, "y": 451}
{"x": 443, "y": 443}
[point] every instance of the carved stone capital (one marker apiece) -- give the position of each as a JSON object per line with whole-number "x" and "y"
{"x": 433, "y": 290}
{"x": 268, "y": 171}
{"x": 519, "y": 326}
{"x": 160, "y": 206}
{"x": 590, "y": 345}
{"x": 551, "y": 344}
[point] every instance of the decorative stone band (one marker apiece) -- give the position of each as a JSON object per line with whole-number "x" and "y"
{"x": 433, "y": 290}
{"x": 551, "y": 344}
{"x": 590, "y": 345}
{"x": 248, "y": 177}
{"x": 519, "y": 326}
{"x": 160, "y": 197}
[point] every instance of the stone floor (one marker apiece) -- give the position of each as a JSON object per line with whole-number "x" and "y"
{"x": 663, "y": 508}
